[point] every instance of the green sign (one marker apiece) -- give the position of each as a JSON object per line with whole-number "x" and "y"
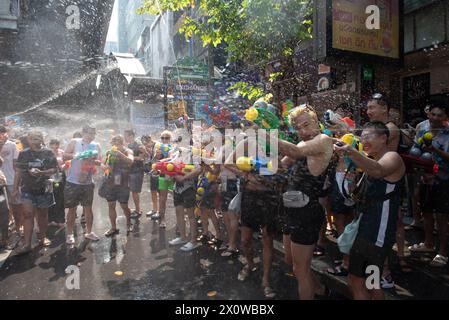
{"x": 189, "y": 69}
{"x": 368, "y": 74}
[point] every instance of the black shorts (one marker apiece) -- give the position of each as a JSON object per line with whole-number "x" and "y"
{"x": 117, "y": 193}
{"x": 364, "y": 254}
{"x": 136, "y": 181}
{"x": 304, "y": 224}
{"x": 433, "y": 198}
{"x": 154, "y": 183}
{"x": 78, "y": 194}
{"x": 228, "y": 195}
{"x": 337, "y": 201}
{"x": 185, "y": 199}
{"x": 259, "y": 210}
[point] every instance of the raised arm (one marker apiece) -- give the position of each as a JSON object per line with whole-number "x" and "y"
{"x": 318, "y": 145}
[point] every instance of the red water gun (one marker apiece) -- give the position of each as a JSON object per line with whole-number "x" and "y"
{"x": 173, "y": 169}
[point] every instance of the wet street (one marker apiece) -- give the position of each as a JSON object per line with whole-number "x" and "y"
{"x": 139, "y": 266}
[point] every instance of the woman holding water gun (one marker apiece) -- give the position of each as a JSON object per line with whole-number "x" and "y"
{"x": 163, "y": 151}
{"x": 150, "y": 147}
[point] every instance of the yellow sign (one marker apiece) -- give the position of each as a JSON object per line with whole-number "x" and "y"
{"x": 350, "y": 32}
{"x": 176, "y": 110}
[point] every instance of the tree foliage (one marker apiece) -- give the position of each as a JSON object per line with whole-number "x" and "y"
{"x": 256, "y": 32}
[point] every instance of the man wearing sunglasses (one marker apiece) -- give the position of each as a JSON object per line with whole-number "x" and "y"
{"x": 378, "y": 109}
{"x": 165, "y": 183}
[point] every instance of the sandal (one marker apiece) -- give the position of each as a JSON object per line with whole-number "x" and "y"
{"x": 111, "y": 232}
{"x": 162, "y": 225}
{"x": 439, "y": 261}
{"x": 319, "y": 251}
{"x": 269, "y": 292}
{"x": 245, "y": 272}
{"x": 230, "y": 253}
{"x": 338, "y": 271}
{"x": 45, "y": 242}
{"x": 420, "y": 248}
{"x": 23, "y": 251}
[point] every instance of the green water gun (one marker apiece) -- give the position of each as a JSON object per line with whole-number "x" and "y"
{"x": 263, "y": 118}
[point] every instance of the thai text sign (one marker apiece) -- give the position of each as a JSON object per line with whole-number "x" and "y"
{"x": 350, "y": 33}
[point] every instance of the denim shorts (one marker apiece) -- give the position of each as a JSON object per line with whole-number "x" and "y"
{"x": 136, "y": 181}
{"x": 41, "y": 201}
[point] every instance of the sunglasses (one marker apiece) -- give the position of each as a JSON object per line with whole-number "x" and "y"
{"x": 381, "y": 99}
{"x": 165, "y": 138}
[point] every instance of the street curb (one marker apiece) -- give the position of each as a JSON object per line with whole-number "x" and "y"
{"x": 339, "y": 284}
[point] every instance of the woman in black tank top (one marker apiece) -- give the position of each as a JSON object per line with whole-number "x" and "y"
{"x": 311, "y": 158}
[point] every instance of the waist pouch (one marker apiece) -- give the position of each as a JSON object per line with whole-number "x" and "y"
{"x": 295, "y": 199}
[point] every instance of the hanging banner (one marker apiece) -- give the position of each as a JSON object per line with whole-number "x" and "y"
{"x": 350, "y": 33}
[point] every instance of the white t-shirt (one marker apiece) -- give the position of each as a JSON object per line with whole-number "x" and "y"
{"x": 9, "y": 153}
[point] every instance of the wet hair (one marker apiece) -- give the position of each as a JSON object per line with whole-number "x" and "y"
{"x": 54, "y": 141}
{"x": 118, "y": 137}
{"x": 168, "y": 133}
{"x": 36, "y": 133}
{"x": 379, "y": 127}
{"x": 77, "y": 134}
{"x": 381, "y": 99}
{"x": 439, "y": 102}
{"x": 130, "y": 132}
{"x": 3, "y": 129}
{"x": 145, "y": 138}
{"x": 87, "y": 128}
{"x": 304, "y": 108}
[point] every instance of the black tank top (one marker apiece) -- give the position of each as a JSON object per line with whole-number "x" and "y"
{"x": 302, "y": 180}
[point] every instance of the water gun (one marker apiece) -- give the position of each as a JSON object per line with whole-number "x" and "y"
{"x": 88, "y": 154}
{"x": 203, "y": 185}
{"x": 425, "y": 140}
{"x": 286, "y": 107}
{"x": 66, "y": 165}
{"x": 219, "y": 116}
{"x": 250, "y": 164}
{"x": 202, "y": 152}
{"x": 354, "y": 142}
{"x": 173, "y": 169}
{"x": 111, "y": 158}
{"x": 263, "y": 118}
{"x": 325, "y": 130}
{"x": 419, "y": 160}
{"x": 165, "y": 149}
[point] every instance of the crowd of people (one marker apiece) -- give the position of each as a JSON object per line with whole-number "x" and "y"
{"x": 324, "y": 181}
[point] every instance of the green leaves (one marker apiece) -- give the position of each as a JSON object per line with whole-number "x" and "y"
{"x": 255, "y": 32}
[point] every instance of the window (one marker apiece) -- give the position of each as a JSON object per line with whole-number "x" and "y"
{"x": 9, "y": 12}
{"x": 430, "y": 26}
{"x": 409, "y": 35}
{"x": 426, "y": 27}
